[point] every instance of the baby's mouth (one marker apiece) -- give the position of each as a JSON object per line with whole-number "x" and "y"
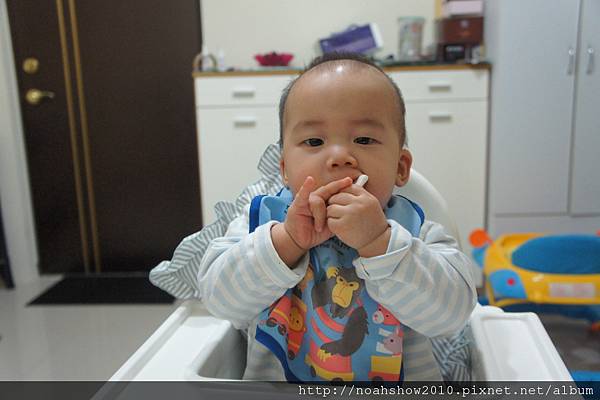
{"x": 360, "y": 179}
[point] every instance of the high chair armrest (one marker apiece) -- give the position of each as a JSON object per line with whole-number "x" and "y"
{"x": 191, "y": 345}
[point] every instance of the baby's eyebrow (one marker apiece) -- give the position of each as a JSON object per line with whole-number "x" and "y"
{"x": 318, "y": 123}
{"x": 367, "y": 121}
{"x": 308, "y": 124}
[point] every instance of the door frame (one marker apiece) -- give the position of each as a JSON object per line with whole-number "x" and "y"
{"x": 17, "y": 211}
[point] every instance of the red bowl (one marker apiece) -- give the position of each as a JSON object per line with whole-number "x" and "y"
{"x": 274, "y": 59}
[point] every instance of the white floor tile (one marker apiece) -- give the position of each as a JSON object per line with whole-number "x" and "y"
{"x": 69, "y": 342}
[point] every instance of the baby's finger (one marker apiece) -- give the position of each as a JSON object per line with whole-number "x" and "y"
{"x": 326, "y": 191}
{"x": 342, "y": 198}
{"x": 354, "y": 189}
{"x": 334, "y": 224}
{"x": 303, "y": 194}
{"x": 335, "y": 211}
{"x": 318, "y": 209}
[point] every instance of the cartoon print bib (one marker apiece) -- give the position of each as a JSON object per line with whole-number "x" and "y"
{"x": 328, "y": 328}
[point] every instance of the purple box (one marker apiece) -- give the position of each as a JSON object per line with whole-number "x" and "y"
{"x": 359, "y": 39}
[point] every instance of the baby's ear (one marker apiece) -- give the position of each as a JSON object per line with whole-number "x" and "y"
{"x": 404, "y": 164}
{"x": 282, "y": 171}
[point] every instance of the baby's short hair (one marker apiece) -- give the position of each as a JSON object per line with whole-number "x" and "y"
{"x": 335, "y": 59}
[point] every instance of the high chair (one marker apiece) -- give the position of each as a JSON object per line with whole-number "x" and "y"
{"x": 191, "y": 345}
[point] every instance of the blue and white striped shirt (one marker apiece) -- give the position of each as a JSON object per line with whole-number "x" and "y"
{"x": 425, "y": 282}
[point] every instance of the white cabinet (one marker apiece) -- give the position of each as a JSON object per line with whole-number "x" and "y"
{"x": 229, "y": 157}
{"x": 237, "y": 119}
{"x": 545, "y": 124}
{"x": 586, "y": 146}
{"x": 446, "y": 123}
{"x": 448, "y": 141}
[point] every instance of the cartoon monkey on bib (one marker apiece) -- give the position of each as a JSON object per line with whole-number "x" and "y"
{"x": 336, "y": 297}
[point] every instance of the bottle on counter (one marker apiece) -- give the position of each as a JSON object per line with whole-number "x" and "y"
{"x": 410, "y": 38}
{"x": 221, "y": 66}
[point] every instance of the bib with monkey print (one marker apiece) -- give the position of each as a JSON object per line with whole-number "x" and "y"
{"x": 327, "y": 328}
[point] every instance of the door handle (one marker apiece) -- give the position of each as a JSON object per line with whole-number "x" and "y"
{"x": 440, "y": 115}
{"x": 571, "y": 53}
{"x": 244, "y": 121}
{"x": 244, "y": 92}
{"x": 439, "y": 85}
{"x": 35, "y": 96}
{"x": 590, "y": 64}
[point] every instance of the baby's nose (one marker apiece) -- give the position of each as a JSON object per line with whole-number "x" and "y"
{"x": 340, "y": 156}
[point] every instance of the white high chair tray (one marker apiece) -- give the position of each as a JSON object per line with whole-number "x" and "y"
{"x": 515, "y": 347}
{"x": 191, "y": 345}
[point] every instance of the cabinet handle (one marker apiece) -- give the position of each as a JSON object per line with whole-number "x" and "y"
{"x": 590, "y": 64}
{"x": 440, "y": 85}
{"x": 571, "y": 53}
{"x": 440, "y": 115}
{"x": 244, "y": 92}
{"x": 244, "y": 121}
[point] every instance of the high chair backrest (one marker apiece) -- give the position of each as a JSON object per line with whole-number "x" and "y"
{"x": 422, "y": 192}
{"x": 179, "y": 279}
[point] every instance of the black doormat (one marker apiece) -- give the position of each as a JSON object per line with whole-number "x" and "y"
{"x": 103, "y": 290}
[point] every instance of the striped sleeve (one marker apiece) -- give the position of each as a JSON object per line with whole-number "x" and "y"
{"x": 241, "y": 274}
{"x": 179, "y": 276}
{"x": 425, "y": 282}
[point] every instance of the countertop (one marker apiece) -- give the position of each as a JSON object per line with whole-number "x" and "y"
{"x": 415, "y": 66}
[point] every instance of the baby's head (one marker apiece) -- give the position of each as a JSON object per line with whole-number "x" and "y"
{"x": 343, "y": 116}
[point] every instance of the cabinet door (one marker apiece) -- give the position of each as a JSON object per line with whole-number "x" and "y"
{"x": 448, "y": 142}
{"x": 446, "y": 85}
{"x": 231, "y": 142}
{"x": 532, "y": 47}
{"x": 243, "y": 91}
{"x": 585, "y": 181}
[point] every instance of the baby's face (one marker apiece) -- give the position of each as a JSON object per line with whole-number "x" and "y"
{"x": 343, "y": 122}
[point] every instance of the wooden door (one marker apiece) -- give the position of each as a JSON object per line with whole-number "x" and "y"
{"x": 111, "y": 148}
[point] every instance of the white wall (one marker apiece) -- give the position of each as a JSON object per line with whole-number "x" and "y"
{"x": 14, "y": 187}
{"x": 243, "y": 28}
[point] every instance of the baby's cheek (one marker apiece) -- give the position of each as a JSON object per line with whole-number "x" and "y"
{"x": 382, "y": 197}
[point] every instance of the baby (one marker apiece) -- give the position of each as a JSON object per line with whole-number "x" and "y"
{"x": 336, "y": 278}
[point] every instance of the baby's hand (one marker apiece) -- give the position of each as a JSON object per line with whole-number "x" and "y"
{"x": 355, "y": 216}
{"x": 306, "y": 220}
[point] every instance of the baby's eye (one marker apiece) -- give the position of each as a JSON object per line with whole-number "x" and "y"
{"x": 364, "y": 140}
{"x": 313, "y": 142}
